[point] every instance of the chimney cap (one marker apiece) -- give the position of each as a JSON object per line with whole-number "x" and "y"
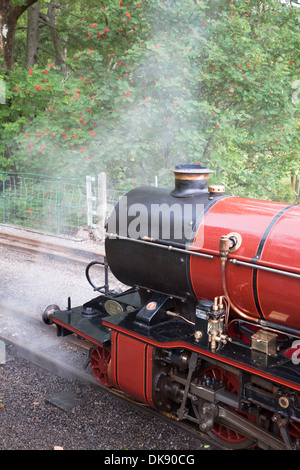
{"x": 191, "y": 169}
{"x": 190, "y": 180}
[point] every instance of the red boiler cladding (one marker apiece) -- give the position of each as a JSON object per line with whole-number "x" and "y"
{"x": 263, "y": 269}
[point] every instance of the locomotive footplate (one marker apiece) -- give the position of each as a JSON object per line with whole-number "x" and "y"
{"x": 95, "y": 319}
{"x": 176, "y": 333}
{"x": 85, "y": 326}
{"x": 86, "y": 320}
{"x": 147, "y": 322}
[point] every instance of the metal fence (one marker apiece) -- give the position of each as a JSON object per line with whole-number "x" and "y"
{"x": 47, "y": 203}
{"x": 56, "y": 204}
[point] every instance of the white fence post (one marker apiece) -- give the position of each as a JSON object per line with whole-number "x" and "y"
{"x": 89, "y": 199}
{"x": 101, "y": 201}
{"x": 102, "y": 204}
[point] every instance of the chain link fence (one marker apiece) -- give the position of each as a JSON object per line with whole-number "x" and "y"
{"x": 36, "y": 201}
{"x": 57, "y": 205}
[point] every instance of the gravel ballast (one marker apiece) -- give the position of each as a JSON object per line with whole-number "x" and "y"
{"x": 96, "y": 419}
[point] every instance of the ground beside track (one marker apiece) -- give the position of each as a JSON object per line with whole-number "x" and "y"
{"x": 28, "y": 421}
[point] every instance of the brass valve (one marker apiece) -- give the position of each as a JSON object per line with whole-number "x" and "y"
{"x": 216, "y": 334}
{"x": 224, "y": 247}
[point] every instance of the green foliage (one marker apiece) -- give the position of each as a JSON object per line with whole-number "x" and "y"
{"x": 151, "y": 84}
{"x": 253, "y": 88}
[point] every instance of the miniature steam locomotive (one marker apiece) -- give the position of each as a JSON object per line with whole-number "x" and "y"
{"x": 207, "y": 327}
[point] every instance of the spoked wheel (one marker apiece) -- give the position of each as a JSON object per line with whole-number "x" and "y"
{"x": 100, "y": 359}
{"x": 294, "y": 430}
{"x": 220, "y": 432}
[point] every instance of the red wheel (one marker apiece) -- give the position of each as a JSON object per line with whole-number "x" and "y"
{"x": 100, "y": 359}
{"x": 220, "y": 432}
{"x": 294, "y": 430}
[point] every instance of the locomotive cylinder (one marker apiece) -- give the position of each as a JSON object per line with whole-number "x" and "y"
{"x": 168, "y": 241}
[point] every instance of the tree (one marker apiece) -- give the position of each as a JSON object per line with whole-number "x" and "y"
{"x": 33, "y": 35}
{"x": 10, "y": 12}
{"x": 213, "y": 83}
{"x": 147, "y": 85}
{"x": 253, "y": 133}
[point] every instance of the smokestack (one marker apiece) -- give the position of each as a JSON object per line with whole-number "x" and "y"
{"x": 190, "y": 180}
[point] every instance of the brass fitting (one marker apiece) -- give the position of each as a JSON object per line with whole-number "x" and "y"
{"x": 216, "y": 325}
{"x": 224, "y": 247}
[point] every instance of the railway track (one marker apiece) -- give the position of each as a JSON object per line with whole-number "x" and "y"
{"x": 53, "y": 250}
{"x": 42, "y": 356}
{"x": 23, "y": 324}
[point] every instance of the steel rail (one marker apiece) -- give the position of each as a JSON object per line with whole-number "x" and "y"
{"x": 36, "y": 246}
